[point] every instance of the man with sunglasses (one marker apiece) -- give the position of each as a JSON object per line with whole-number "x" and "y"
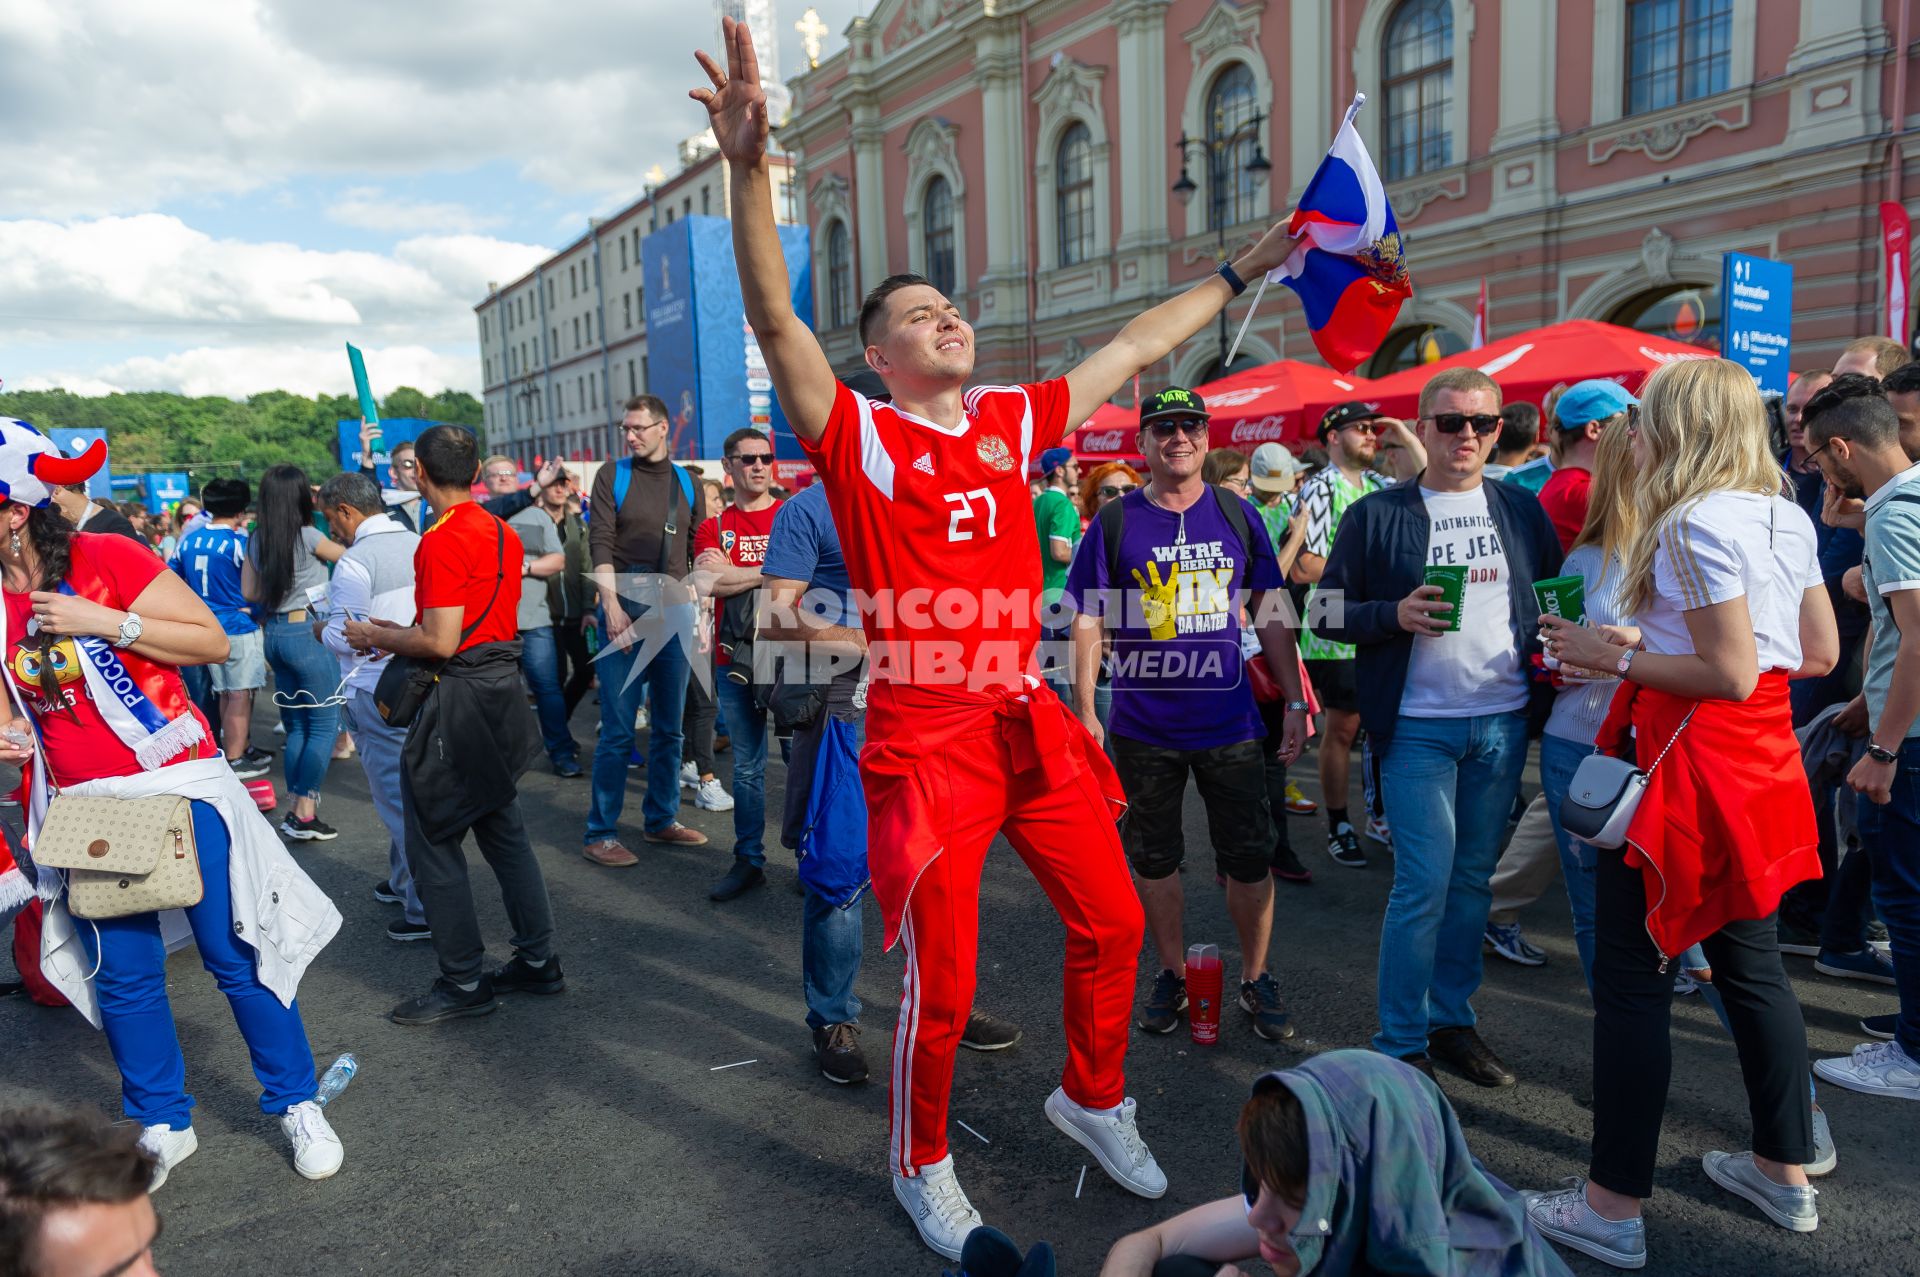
{"x": 732, "y": 546}
{"x": 1347, "y": 432}
{"x": 1444, "y": 700}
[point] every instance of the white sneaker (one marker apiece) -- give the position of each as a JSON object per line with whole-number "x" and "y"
{"x": 1113, "y": 1139}
{"x": 710, "y": 797}
{"x": 169, "y": 1148}
{"x": 689, "y": 776}
{"x": 640, "y": 720}
{"x": 316, "y": 1149}
{"x": 1379, "y": 830}
{"x": 939, "y": 1209}
{"x": 1874, "y": 1068}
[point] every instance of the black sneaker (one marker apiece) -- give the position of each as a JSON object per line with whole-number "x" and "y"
{"x": 837, "y": 1047}
{"x": 1261, "y": 1000}
{"x": 743, "y": 877}
{"x": 517, "y": 977}
{"x": 255, "y": 754}
{"x": 314, "y": 830}
{"x": 1164, "y": 1004}
{"x": 248, "y": 769}
{"x": 568, "y": 770}
{"x": 402, "y": 931}
{"x": 987, "y": 1032}
{"x": 386, "y": 895}
{"x": 445, "y": 1001}
{"x": 1344, "y": 846}
{"x": 1286, "y": 865}
{"x": 1879, "y": 1026}
{"x": 1797, "y": 940}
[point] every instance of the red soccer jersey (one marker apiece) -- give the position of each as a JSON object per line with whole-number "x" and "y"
{"x": 743, "y": 535}
{"x": 464, "y": 560}
{"x": 937, "y": 527}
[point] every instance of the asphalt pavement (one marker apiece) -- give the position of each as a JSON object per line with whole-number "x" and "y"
{"x": 597, "y": 1132}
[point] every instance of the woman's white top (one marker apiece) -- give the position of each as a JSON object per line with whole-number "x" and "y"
{"x": 1726, "y": 546}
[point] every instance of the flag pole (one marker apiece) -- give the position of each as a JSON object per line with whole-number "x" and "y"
{"x": 1359, "y": 100}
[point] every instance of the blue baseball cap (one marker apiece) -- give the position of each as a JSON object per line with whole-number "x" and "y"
{"x": 1053, "y": 458}
{"x": 1594, "y": 399}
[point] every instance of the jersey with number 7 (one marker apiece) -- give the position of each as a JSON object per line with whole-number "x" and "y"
{"x": 937, "y": 526}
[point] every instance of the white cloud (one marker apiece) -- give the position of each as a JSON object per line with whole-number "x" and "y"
{"x": 370, "y": 208}
{"x": 239, "y": 371}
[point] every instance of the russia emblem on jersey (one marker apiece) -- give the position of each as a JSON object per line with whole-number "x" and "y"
{"x": 994, "y": 451}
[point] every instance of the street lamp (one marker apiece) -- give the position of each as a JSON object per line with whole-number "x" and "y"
{"x": 526, "y": 403}
{"x": 1214, "y": 152}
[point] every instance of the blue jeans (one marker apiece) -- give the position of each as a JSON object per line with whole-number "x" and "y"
{"x": 380, "y": 747}
{"x": 1448, "y": 784}
{"x": 831, "y": 943}
{"x": 1890, "y": 834}
{"x": 304, "y": 673}
{"x": 132, "y": 985}
{"x": 664, "y": 684}
{"x": 1559, "y": 759}
{"x": 748, "y": 724}
{"x": 540, "y": 662}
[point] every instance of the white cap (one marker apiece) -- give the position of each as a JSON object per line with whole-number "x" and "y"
{"x": 1274, "y": 467}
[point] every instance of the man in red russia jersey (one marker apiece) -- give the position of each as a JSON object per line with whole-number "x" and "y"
{"x": 929, "y": 493}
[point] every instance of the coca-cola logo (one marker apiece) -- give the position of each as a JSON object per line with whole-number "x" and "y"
{"x": 1237, "y": 398}
{"x": 1104, "y": 441}
{"x": 1265, "y": 430}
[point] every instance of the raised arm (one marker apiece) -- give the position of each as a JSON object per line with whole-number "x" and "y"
{"x": 1151, "y": 336}
{"x": 737, "y": 109}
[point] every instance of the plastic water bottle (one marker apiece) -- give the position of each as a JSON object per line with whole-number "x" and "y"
{"x": 335, "y": 1079}
{"x": 1204, "y": 977}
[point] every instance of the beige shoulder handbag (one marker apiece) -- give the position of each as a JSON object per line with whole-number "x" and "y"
{"x": 122, "y": 855}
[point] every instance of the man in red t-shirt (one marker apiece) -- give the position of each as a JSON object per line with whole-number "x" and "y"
{"x": 1586, "y": 409}
{"x": 963, "y": 741}
{"x": 470, "y": 741}
{"x": 729, "y": 548}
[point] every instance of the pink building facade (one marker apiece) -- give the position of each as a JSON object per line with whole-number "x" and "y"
{"x": 1586, "y": 158}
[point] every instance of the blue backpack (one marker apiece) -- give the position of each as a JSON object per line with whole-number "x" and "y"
{"x": 623, "y": 479}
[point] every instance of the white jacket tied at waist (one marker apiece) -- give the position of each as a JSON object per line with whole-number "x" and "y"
{"x": 277, "y": 909}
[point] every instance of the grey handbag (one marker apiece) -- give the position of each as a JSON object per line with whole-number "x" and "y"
{"x": 122, "y": 855}
{"x": 1605, "y": 793}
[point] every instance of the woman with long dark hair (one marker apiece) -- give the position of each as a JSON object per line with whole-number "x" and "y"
{"x": 286, "y": 574}
{"x": 93, "y": 631}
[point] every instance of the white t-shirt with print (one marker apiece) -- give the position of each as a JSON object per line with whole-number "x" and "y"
{"x": 1476, "y": 669}
{"x": 1722, "y": 547}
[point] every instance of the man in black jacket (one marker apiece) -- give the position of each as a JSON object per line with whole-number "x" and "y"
{"x": 470, "y": 743}
{"x": 1445, "y": 699}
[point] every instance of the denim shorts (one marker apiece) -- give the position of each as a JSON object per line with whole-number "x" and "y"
{"x": 1232, "y": 781}
{"x": 246, "y": 665}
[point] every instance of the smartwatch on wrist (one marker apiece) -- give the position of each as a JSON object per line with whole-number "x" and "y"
{"x": 1882, "y": 756}
{"x": 1228, "y": 273}
{"x": 1302, "y": 706}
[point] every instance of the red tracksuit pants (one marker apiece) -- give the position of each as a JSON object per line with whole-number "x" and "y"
{"x": 1066, "y": 835}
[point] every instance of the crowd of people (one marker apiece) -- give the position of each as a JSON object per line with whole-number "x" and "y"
{"x": 956, "y": 635}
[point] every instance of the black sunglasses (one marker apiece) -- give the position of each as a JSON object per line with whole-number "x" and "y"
{"x": 1109, "y": 491}
{"x": 752, "y": 458}
{"x": 1452, "y": 423}
{"x": 1167, "y": 428}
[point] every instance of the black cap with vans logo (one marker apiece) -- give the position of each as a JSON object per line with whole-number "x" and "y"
{"x": 1340, "y": 416}
{"x": 1174, "y": 401}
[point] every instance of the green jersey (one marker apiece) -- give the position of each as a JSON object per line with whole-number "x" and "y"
{"x": 1323, "y": 503}
{"x": 1056, "y": 518}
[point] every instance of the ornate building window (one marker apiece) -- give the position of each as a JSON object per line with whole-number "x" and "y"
{"x": 1677, "y": 50}
{"x": 1073, "y": 195}
{"x": 1412, "y": 346}
{"x": 1231, "y": 144}
{"x": 936, "y": 228}
{"x": 839, "y": 276}
{"x": 1679, "y": 312}
{"x": 1416, "y": 74}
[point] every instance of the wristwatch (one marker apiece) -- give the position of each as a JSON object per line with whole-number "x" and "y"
{"x": 1626, "y": 659}
{"x": 1302, "y": 706}
{"x": 1226, "y": 271}
{"x": 129, "y": 631}
{"x": 1882, "y": 756}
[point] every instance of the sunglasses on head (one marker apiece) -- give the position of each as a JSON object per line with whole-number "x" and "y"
{"x": 1452, "y": 423}
{"x": 752, "y": 458}
{"x": 1167, "y": 427}
{"x": 1110, "y": 491}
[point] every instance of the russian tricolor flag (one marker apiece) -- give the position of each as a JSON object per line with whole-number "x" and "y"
{"x": 1349, "y": 270}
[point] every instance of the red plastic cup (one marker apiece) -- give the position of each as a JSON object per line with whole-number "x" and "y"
{"x": 1204, "y": 981}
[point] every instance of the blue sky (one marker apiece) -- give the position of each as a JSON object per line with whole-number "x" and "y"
{"x": 210, "y": 196}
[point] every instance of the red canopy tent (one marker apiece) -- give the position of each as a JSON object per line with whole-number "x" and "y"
{"x": 1275, "y": 403}
{"x": 1527, "y": 366}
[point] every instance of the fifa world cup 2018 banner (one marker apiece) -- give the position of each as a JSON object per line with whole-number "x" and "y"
{"x": 702, "y": 358}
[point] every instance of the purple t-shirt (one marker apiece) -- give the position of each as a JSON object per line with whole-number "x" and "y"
{"x": 1187, "y": 689}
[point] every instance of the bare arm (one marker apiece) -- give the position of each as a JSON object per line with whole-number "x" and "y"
{"x": 1723, "y": 666}
{"x": 1288, "y": 551}
{"x": 737, "y": 109}
{"x": 546, "y": 565}
{"x": 1308, "y": 568}
{"x": 435, "y": 638}
{"x": 1819, "y": 635}
{"x": 1059, "y": 549}
{"x": 249, "y": 580}
{"x": 1216, "y": 1231}
{"x": 1086, "y": 670}
{"x": 176, "y": 626}
{"x": 1152, "y": 335}
{"x": 782, "y": 618}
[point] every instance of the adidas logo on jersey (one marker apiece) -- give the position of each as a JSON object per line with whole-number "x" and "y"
{"x": 925, "y": 464}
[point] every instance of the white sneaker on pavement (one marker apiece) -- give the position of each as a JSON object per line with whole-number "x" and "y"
{"x": 316, "y": 1149}
{"x": 689, "y": 776}
{"x": 1113, "y": 1137}
{"x": 938, "y": 1207}
{"x": 711, "y": 797}
{"x": 169, "y": 1148}
{"x": 1874, "y": 1068}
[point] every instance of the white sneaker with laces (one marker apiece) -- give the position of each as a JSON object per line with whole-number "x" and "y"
{"x": 316, "y": 1149}
{"x": 938, "y": 1207}
{"x": 1874, "y": 1068}
{"x": 689, "y": 776}
{"x": 1113, "y": 1137}
{"x": 1379, "y": 830}
{"x": 710, "y": 797}
{"x": 640, "y": 720}
{"x": 169, "y": 1148}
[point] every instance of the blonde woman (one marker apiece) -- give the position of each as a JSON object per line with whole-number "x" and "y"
{"x": 1721, "y": 579}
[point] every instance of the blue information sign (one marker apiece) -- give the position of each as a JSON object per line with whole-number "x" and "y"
{"x": 1756, "y": 317}
{"x": 165, "y": 489}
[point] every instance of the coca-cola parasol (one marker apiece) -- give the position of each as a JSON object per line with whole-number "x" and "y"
{"x": 1279, "y": 402}
{"x": 1527, "y": 366}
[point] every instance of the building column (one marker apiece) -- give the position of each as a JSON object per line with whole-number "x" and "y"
{"x": 870, "y": 194}
{"x": 1145, "y": 140}
{"x": 1840, "y": 102}
{"x": 1002, "y": 286}
{"x": 1311, "y": 56}
{"x": 1523, "y": 177}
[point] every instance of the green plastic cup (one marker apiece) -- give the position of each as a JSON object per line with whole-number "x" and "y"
{"x": 1562, "y": 596}
{"x": 1452, "y": 581}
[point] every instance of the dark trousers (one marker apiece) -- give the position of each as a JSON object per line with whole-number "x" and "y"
{"x": 1633, "y": 1056}
{"x": 1849, "y": 901}
{"x": 697, "y": 724}
{"x": 440, "y": 877}
{"x": 576, "y": 664}
{"x": 1273, "y": 716}
{"x": 1890, "y": 834}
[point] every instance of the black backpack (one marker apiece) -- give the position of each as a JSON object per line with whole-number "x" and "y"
{"x": 1113, "y": 516}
